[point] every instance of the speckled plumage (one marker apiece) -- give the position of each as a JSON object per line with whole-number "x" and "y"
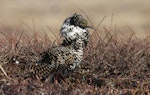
{"x": 75, "y": 27}
{"x": 68, "y": 55}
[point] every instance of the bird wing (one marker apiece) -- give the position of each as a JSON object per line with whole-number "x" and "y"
{"x": 60, "y": 58}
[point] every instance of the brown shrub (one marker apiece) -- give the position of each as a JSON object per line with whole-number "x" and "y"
{"x": 112, "y": 65}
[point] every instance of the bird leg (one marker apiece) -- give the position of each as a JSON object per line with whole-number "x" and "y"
{"x": 57, "y": 78}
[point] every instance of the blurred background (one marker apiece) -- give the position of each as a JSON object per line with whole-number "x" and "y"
{"x": 43, "y": 13}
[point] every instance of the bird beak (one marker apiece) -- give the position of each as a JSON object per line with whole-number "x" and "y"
{"x": 90, "y": 27}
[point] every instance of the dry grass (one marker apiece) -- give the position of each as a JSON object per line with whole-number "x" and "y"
{"x": 112, "y": 65}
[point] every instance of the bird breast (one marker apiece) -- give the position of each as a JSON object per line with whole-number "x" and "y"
{"x": 72, "y": 32}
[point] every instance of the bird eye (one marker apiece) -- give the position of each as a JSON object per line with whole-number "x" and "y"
{"x": 83, "y": 23}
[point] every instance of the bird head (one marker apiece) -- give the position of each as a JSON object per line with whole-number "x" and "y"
{"x": 78, "y": 20}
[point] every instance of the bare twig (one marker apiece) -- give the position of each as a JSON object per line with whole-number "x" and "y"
{"x": 3, "y": 70}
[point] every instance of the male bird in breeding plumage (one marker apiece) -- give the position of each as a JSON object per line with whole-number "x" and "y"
{"x": 68, "y": 55}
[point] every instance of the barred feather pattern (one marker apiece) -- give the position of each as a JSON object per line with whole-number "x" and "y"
{"x": 66, "y": 56}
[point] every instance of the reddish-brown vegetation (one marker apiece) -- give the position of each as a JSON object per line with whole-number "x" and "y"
{"x": 112, "y": 65}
